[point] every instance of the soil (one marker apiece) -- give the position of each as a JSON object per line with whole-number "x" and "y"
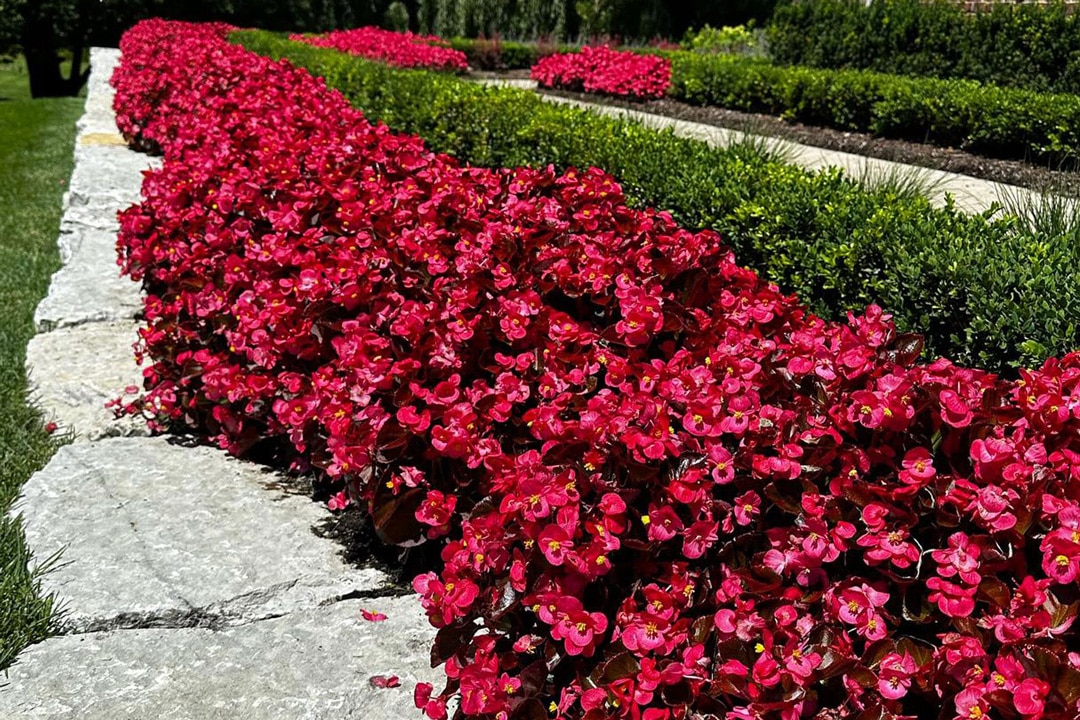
{"x": 1064, "y": 181}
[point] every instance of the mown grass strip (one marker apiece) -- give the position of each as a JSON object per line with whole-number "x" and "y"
{"x": 36, "y": 139}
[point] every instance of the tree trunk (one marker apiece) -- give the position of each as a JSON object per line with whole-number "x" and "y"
{"x": 39, "y": 47}
{"x": 77, "y": 77}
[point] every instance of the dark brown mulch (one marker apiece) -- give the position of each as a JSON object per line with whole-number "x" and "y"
{"x": 1012, "y": 172}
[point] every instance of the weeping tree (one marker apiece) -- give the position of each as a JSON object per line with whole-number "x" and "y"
{"x": 537, "y": 18}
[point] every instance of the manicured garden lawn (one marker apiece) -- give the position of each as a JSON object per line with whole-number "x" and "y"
{"x": 36, "y": 138}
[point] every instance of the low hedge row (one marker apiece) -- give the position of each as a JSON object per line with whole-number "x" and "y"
{"x": 660, "y": 488}
{"x": 497, "y": 54}
{"x": 985, "y": 119}
{"x": 1025, "y": 45}
{"x": 982, "y": 292}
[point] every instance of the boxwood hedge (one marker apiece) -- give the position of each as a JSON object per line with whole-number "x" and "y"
{"x": 987, "y": 119}
{"x": 982, "y": 291}
{"x": 1026, "y": 45}
{"x": 496, "y": 54}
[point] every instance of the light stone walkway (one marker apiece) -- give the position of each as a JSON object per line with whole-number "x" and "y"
{"x": 971, "y": 195}
{"x": 194, "y": 586}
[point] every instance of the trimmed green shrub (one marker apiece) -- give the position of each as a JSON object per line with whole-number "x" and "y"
{"x": 497, "y": 54}
{"x": 983, "y": 292}
{"x": 1020, "y": 45}
{"x": 396, "y": 17}
{"x": 991, "y": 120}
{"x": 737, "y": 40}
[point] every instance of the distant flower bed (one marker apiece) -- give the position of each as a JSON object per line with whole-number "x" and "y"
{"x": 606, "y": 71}
{"x": 661, "y": 488}
{"x": 393, "y": 48}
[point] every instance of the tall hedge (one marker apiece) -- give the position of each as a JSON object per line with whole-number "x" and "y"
{"x": 983, "y": 292}
{"x": 1033, "y": 46}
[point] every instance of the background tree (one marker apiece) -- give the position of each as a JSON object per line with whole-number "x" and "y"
{"x": 44, "y": 30}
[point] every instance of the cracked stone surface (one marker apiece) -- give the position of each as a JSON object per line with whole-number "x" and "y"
{"x": 74, "y": 371}
{"x": 88, "y": 288}
{"x": 311, "y": 665}
{"x": 153, "y": 532}
{"x": 107, "y": 174}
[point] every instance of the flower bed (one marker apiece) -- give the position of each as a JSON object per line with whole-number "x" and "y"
{"x": 662, "y": 489}
{"x": 394, "y": 48}
{"x": 835, "y": 243}
{"x": 608, "y": 72}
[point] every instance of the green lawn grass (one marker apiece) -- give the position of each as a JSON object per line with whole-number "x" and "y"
{"x": 36, "y": 142}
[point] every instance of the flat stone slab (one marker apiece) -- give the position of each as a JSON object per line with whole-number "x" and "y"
{"x": 98, "y": 115}
{"x": 157, "y": 534}
{"x": 310, "y": 665}
{"x": 74, "y": 371}
{"x": 89, "y": 287}
{"x": 77, "y": 217}
{"x": 107, "y": 173}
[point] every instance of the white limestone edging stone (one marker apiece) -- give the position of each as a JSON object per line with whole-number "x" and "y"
{"x": 74, "y": 371}
{"x": 153, "y": 532}
{"x": 193, "y": 585}
{"x": 310, "y": 665}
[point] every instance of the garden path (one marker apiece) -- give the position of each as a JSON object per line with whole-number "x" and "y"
{"x": 971, "y": 195}
{"x": 193, "y": 583}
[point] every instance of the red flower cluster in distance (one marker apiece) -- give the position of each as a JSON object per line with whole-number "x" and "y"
{"x": 392, "y": 48}
{"x": 661, "y": 488}
{"x": 605, "y": 71}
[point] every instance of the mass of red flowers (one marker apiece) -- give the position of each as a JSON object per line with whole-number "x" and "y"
{"x": 394, "y": 48}
{"x": 607, "y": 72}
{"x": 662, "y": 489}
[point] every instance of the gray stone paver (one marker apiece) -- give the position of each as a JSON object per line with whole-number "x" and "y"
{"x": 193, "y": 584}
{"x": 75, "y": 370}
{"x": 88, "y": 288}
{"x": 154, "y": 532}
{"x": 311, "y": 665}
{"x": 971, "y": 195}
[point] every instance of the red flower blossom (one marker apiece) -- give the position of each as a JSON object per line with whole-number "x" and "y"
{"x": 657, "y": 495}
{"x": 393, "y": 48}
{"x": 603, "y": 70}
